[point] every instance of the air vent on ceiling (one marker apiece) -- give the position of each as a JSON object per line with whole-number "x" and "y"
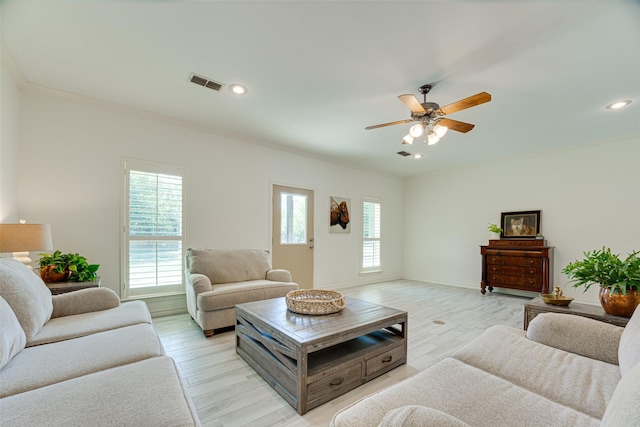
{"x": 203, "y": 81}
{"x": 404, "y": 153}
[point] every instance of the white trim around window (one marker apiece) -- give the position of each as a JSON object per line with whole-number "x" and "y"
{"x": 371, "y": 236}
{"x": 153, "y": 229}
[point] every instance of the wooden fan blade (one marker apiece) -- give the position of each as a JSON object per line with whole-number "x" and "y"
{"x": 399, "y": 122}
{"x": 413, "y": 104}
{"x": 472, "y": 101}
{"x": 456, "y": 125}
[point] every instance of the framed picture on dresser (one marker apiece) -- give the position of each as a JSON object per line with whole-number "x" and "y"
{"x": 519, "y": 225}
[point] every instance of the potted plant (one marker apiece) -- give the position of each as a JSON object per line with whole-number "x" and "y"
{"x": 494, "y": 230}
{"x": 58, "y": 267}
{"x": 618, "y": 279}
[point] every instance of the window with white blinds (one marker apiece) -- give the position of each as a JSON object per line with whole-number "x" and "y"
{"x": 370, "y": 235}
{"x": 153, "y": 229}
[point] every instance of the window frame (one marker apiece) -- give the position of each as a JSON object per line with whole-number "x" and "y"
{"x": 374, "y": 268}
{"x": 129, "y": 165}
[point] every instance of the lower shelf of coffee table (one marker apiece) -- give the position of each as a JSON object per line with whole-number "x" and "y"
{"x": 307, "y": 380}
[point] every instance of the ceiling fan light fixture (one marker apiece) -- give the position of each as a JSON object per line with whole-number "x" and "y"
{"x": 440, "y": 130}
{"x": 408, "y": 139}
{"x": 416, "y": 130}
{"x": 432, "y": 138}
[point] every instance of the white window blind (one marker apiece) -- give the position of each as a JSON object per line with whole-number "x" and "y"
{"x": 370, "y": 235}
{"x": 154, "y": 238}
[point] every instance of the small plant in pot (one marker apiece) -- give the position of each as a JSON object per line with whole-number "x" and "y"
{"x": 494, "y": 230}
{"x": 58, "y": 267}
{"x": 618, "y": 279}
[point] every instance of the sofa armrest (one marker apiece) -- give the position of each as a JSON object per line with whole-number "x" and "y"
{"x": 84, "y": 301}
{"x": 417, "y": 415}
{"x": 199, "y": 282}
{"x": 576, "y": 334}
{"x": 279, "y": 275}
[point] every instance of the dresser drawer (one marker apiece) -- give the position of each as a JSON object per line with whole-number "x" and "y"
{"x": 331, "y": 383}
{"x": 525, "y": 283}
{"x": 514, "y": 260}
{"x": 514, "y": 270}
{"x": 384, "y": 360}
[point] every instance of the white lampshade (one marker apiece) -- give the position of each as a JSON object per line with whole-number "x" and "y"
{"x": 432, "y": 138}
{"x": 416, "y": 130}
{"x": 408, "y": 139}
{"x": 23, "y": 238}
{"x": 440, "y": 130}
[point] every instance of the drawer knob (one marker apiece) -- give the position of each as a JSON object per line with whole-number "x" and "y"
{"x": 494, "y": 269}
{"x": 531, "y": 262}
{"x": 531, "y": 271}
{"x": 337, "y": 381}
{"x": 387, "y": 359}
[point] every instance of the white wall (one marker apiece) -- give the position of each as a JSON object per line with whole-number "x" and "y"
{"x": 9, "y": 144}
{"x": 71, "y": 178}
{"x": 589, "y": 197}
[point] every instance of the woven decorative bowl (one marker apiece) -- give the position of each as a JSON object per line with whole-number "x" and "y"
{"x": 315, "y": 301}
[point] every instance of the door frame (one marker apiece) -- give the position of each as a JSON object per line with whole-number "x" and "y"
{"x": 270, "y": 241}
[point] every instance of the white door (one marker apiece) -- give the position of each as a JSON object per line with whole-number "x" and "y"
{"x": 292, "y": 245}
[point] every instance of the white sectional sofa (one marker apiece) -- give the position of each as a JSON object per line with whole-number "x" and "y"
{"x": 564, "y": 371}
{"x": 218, "y": 279}
{"x": 81, "y": 359}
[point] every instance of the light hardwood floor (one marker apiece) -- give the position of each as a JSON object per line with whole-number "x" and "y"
{"x": 227, "y": 392}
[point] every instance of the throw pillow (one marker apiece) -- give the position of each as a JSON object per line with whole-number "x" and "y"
{"x": 26, "y": 293}
{"x": 12, "y": 338}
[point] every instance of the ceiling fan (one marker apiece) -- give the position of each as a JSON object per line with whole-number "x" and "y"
{"x": 429, "y": 116}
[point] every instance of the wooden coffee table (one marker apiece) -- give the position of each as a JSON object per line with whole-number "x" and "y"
{"x": 310, "y": 360}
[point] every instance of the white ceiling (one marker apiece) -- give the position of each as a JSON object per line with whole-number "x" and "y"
{"x": 319, "y": 72}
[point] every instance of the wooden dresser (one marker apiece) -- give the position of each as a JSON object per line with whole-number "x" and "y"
{"x": 524, "y": 264}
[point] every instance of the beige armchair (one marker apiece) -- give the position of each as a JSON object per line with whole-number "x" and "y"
{"x": 218, "y": 279}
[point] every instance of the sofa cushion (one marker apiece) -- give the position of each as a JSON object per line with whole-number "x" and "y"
{"x": 26, "y": 293}
{"x": 419, "y": 416}
{"x": 468, "y": 394}
{"x": 574, "y": 381}
{"x": 629, "y": 350}
{"x": 44, "y": 365}
{"x": 229, "y": 265}
{"x": 145, "y": 393}
{"x": 228, "y": 295}
{"x": 80, "y": 325}
{"x": 12, "y": 338}
{"x": 623, "y": 408}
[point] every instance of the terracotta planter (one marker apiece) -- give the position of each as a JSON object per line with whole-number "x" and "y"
{"x": 619, "y": 304}
{"x": 49, "y": 276}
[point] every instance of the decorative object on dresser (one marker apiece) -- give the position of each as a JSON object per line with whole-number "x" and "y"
{"x": 495, "y": 231}
{"x": 519, "y": 225}
{"x": 618, "y": 279}
{"x": 523, "y": 264}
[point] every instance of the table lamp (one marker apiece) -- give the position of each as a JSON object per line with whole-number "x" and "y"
{"x": 22, "y": 238}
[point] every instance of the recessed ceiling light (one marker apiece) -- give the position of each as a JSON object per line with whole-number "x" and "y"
{"x": 417, "y": 156}
{"x": 238, "y": 89}
{"x": 617, "y": 105}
